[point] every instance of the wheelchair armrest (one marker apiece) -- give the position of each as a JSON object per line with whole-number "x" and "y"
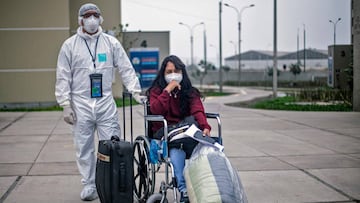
{"x": 159, "y": 118}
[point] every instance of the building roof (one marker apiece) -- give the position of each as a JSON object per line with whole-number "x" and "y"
{"x": 310, "y": 54}
{"x": 268, "y": 55}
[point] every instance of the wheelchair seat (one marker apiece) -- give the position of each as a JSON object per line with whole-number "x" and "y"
{"x": 144, "y": 170}
{"x": 148, "y": 122}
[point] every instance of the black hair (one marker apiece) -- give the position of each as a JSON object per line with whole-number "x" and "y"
{"x": 187, "y": 90}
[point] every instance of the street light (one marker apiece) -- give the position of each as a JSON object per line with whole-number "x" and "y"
{"x": 191, "y": 29}
{"x": 334, "y": 23}
{"x": 205, "y": 50}
{"x": 239, "y": 14}
{"x": 275, "y": 79}
{"x": 216, "y": 52}
{"x": 297, "y": 48}
{"x": 233, "y": 43}
{"x": 304, "y": 47}
{"x": 220, "y": 48}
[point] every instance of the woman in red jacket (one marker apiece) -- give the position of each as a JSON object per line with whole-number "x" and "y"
{"x": 173, "y": 96}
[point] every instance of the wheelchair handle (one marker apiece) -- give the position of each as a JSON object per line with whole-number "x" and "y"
{"x": 212, "y": 115}
{"x": 217, "y": 117}
{"x": 127, "y": 94}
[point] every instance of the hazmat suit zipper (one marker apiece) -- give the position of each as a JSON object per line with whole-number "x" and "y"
{"x": 93, "y": 58}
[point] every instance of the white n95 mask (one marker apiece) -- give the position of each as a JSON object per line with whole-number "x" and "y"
{"x": 91, "y": 24}
{"x": 173, "y": 76}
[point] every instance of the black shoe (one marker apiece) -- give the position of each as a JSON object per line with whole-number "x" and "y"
{"x": 184, "y": 198}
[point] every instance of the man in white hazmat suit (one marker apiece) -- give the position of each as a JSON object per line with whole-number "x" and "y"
{"x": 84, "y": 89}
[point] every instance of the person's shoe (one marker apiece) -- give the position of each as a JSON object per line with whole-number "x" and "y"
{"x": 88, "y": 194}
{"x": 184, "y": 198}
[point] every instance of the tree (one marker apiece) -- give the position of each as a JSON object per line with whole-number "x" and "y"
{"x": 200, "y": 71}
{"x": 270, "y": 71}
{"x": 295, "y": 69}
{"x": 118, "y": 32}
{"x": 226, "y": 68}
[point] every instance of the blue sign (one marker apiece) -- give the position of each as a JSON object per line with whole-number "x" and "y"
{"x": 146, "y": 64}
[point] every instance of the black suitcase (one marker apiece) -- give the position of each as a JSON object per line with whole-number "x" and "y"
{"x": 114, "y": 168}
{"x": 114, "y": 171}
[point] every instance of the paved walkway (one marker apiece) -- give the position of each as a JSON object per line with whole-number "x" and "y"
{"x": 281, "y": 156}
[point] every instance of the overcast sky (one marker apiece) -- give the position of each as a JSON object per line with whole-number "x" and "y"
{"x": 257, "y": 24}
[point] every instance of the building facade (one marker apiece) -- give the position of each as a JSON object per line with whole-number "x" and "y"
{"x": 260, "y": 60}
{"x": 156, "y": 39}
{"x": 31, "y": 34}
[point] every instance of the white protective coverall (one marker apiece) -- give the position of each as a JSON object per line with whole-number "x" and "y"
{"x": 74, "y": 67}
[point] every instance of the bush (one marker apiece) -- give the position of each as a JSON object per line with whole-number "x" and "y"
{"x": 289, "y": 103}
{"x": 325, "y": 94}
{"x": 319, "y": 99}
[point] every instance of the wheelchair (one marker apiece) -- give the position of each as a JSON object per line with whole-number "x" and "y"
{"x": 145, "y": 171}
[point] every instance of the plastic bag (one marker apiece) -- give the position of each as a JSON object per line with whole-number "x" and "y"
{"x": 210, "y": 177}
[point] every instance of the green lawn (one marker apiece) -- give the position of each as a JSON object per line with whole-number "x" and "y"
{"x": 280, "y": 103}
{"x": 291, "y": 104}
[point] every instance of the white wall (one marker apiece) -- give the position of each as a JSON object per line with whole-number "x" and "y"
{"x": 262, "y": 64}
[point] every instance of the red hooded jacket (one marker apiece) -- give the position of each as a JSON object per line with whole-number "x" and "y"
{"x": 168, "y": 105}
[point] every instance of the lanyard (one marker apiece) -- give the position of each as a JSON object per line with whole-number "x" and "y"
{"x": 92, "y": 57}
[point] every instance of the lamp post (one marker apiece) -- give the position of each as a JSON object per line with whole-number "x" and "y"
{"x": 275, "y": 52}
{"x": 334, "y": 23}
{"x": 191, "y": 29}
{"x": 304, "y": 48}
{"x": 233, "y": 43}
{"x": 220, "y": 48}
{"x": 216, "y": 51}
{"x": 239, "y": 14}
{"x": 297, "y": 48}
{"x": 205, "y": 50}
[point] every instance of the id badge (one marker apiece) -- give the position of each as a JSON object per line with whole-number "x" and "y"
{"x": 96, "y": 85}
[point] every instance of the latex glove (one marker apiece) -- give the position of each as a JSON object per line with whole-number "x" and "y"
{"x": 139, "y": 98}
{"x": 69, "y": 115}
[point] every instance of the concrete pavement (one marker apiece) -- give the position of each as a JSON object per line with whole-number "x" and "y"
{"x": 281, "y": 156}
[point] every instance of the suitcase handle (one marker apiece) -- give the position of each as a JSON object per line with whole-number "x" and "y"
{"x": 115, "y": 138}
{"x": 125, "y": 94}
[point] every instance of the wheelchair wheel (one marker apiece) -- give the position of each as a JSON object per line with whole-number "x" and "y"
{"x": 144, "y": 171}
{"x": 156, "y": 198}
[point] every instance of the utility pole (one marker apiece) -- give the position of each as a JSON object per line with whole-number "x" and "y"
{"x": 205, "y": 50}
{"x": 356, "y": 65}
{"x": 304, "y": 49}
{"x": 297, "y": 48}
{"x": 275, "y": 53}
{"x": 191, "y": 29}
{"x": 239, "y": 14}
{"x": 334, "y": 23}
{"x": 220, "y": 49}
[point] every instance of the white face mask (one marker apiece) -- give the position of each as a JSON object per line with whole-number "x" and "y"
{"x": 173, "y": 76}
{"x": 91, "y": 24}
